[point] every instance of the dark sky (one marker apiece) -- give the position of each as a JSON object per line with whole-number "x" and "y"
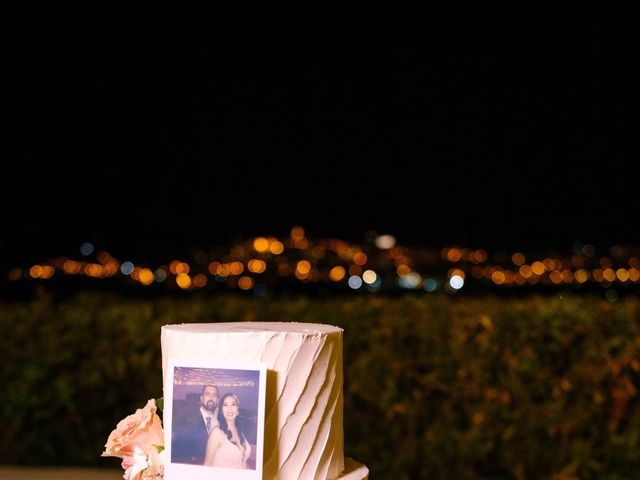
{"x": 154, "y": 131}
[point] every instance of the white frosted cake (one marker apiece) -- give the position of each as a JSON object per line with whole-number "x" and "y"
{"x": 303, "y": 414}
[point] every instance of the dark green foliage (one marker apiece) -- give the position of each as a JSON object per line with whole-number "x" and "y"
{"x": 435, "y": 387}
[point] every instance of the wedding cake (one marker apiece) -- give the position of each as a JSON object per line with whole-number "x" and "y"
{"x": 303, "y": 408}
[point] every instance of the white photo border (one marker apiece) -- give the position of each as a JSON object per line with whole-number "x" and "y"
{"x": 180, "y": 471}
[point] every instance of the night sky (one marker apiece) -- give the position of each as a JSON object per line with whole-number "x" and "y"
{"x": 149, "y": 133}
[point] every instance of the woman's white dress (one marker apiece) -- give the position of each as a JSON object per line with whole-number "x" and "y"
{"x": 230, "y": 455}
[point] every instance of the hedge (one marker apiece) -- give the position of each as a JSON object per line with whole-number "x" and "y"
{"x": 436, "y": 387}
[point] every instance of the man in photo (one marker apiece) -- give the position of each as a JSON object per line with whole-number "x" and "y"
{"x": 191, "y": 427}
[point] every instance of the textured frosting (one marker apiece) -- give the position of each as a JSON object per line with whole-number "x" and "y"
{"x": 303, "y": 418}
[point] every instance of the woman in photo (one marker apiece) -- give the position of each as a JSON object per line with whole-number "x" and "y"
{"x": 227, "y": 446}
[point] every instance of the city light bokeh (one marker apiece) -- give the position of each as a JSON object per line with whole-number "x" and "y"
{"x": 264, "y": 264}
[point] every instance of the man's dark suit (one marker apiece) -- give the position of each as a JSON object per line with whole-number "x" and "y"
{"x": 188, "y": 434}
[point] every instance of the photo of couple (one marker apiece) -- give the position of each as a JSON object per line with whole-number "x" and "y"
{"x": 214, "y": 417}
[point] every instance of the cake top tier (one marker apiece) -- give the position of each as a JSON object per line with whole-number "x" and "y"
{"x": 227, "y": 327}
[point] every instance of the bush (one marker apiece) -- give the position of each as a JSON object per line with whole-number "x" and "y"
{"x": 435, "y": 387}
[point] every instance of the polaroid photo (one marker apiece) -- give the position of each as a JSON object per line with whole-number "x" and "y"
{"x": 214, "y": 420}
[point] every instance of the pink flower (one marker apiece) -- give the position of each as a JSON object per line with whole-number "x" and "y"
{"x": 138, "y": 440}
{"x": 156, "y": 461}
{"x": 135, "y": 465}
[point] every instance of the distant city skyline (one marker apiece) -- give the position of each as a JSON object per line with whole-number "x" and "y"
{"x": 300, "y": 263}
